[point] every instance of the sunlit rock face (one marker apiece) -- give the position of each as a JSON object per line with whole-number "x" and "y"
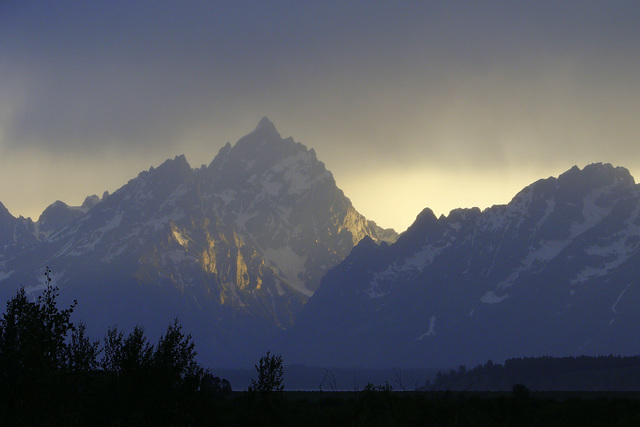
{"x": 286, "y": 204}
{"x": 234, "y": 249}
{"x": 554, "y": 272}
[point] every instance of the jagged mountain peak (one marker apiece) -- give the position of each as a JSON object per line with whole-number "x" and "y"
{"x": 58, "y": 215}
{"x": 91, "y": 201}
{"x": 235, "y": 247}
{"x": 171, "y": 170}
{"x": 15, "y": 233}
{"x": 4, "y": 212}
{"x": 265, "y": 132}
{"x": 366, "y": 245}
{"x": 263, "y": 157}
{"x": 463, "y": 214}
{"x": 424, "y": 222}
{"x": 575, "y": 184}
{"x": 264, "y": 149}
{"x": 284, "y": 199}
{"x": 178, "y": 163}
{"x": 54, "y": 207}
{"x": 266, "y": 126}
{"x": 426, "y": 216}
{"x": 596, "y": 175}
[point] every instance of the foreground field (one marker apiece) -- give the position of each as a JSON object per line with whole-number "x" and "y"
{"x": 388, "y": 408}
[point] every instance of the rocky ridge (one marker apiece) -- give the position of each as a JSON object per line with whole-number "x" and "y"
{"x": 234, "y": 248}
{"x": 554, "y": 272}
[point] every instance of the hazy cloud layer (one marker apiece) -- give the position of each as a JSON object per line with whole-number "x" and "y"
{"x": 434, "y": 98}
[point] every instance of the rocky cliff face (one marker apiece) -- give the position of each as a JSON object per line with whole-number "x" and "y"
{"x": 284, "y": 201}
{"x": 234, "y": 249}
{"x": 16, "y": 234}
{"x": 554, "y": 272}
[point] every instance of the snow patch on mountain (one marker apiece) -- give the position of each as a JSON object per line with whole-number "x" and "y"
{"x": 292, "y": 171}
{"x": 177, "y": 256}
{"x": 175, "y": 196}
{"x": 112, "y": 224}
{"x": 425, "y": 256}
{"x": 591, "y": 212}
{"x": 4, "y": 275}
{"x": 547, "y": 251}
{"x": 243, "y": 217}
{"x": 519, "y": 206}
{"x": 493, "y": 220}
{"x": 159, "y": 223}
{"x": 613, "y": 307}
{"x": 279, "y": 288}
{"x": 272, "y": 188}
{"x": 112, "y": 253}
{"x": 90, "y": 243}
{"x": 490, "y": 297}
{"x": 587, "y": 273}
{"x": 409, "y": 266}
{"x": 43, "y": 282}
{"x": 497, "y": 217}
{"x": 374, "y": 291}
{"x": 614, "y": 254}
{"x": 290, "y": 264}
{"x": 432, "y": 329}
{"x": 227, "y": 196}
{"x": 551, "y": 205}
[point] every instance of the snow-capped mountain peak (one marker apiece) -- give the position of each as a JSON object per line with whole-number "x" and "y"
{"x": 285, "y": 202}
{"x": 241, "y": 243}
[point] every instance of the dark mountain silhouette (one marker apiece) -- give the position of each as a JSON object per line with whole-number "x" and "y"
{"x": 554, "y": 272}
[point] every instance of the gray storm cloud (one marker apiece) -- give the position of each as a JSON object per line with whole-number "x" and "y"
{"x": 370, "y": 86}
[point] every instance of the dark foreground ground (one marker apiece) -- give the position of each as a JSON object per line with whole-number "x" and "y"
{"x": 373, "y": 407}
{"x": 388, "y": 408}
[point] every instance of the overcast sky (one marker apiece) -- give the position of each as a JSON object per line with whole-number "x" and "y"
{"x": 410, "y": 104}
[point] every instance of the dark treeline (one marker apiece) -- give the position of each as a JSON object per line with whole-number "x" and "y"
{"x": 51, "y": 373}
{"x": 583, "y": 373}
{"x": 310, "y": 378}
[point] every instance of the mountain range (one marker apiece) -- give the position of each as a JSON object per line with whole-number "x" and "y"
{"x": 234, "y": 249}
{"x": 261, "y": 250}
{"x": 554, "y": 272}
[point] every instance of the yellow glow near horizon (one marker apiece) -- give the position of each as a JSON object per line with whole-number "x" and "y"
{"x": 394, "y": 198}
{"x": 390, "y": 196}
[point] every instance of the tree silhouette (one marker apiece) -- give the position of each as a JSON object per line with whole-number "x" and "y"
{"x": 175, "y": 357}
{"x": 270, "y": 373}
{"x": 50, "y": 373}
{"x": 35, "y": 351}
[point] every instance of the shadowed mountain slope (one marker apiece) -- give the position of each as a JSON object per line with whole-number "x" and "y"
{"x": 554, "y": 272}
